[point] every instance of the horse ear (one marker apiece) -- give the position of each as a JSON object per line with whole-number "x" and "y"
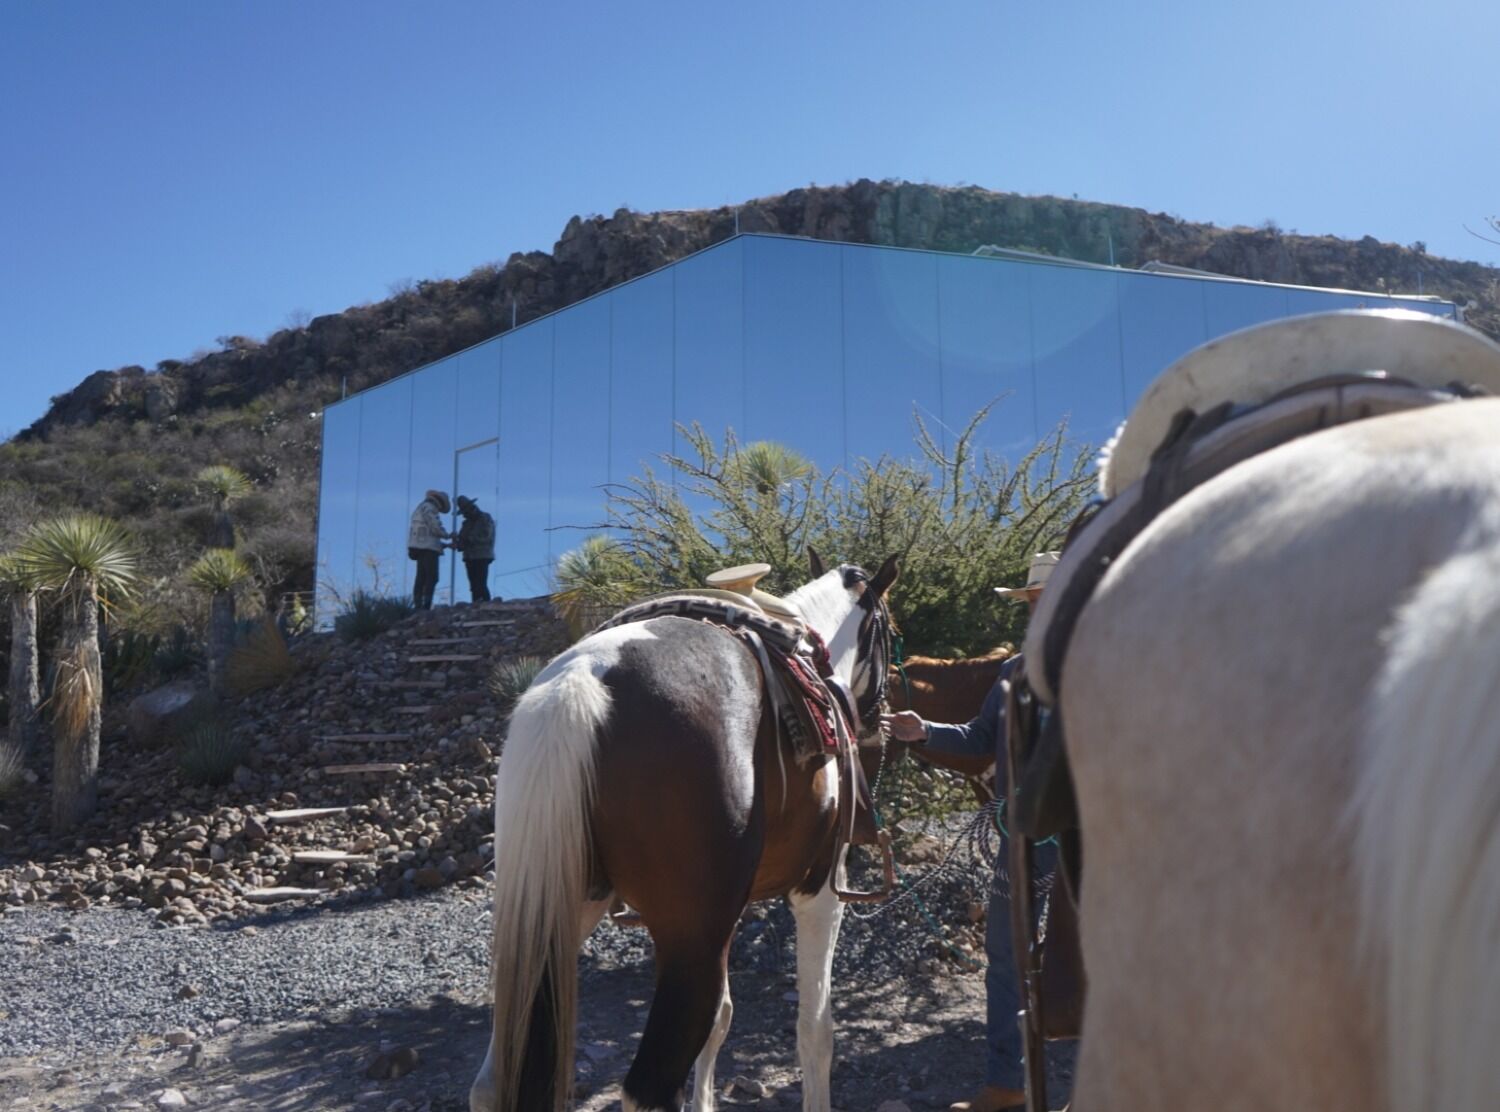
{"x": 815, "y": 562}
{"x": 885, "y": 576}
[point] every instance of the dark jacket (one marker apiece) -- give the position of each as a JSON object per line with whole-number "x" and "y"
{"x": 476, "y": 536}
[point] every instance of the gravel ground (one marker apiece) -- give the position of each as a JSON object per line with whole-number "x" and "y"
{"x": 286, "y": 1010}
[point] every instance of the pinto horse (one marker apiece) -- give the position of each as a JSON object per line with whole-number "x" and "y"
{"x": 1282, "y": 712}
{"x": 644, "y": 764}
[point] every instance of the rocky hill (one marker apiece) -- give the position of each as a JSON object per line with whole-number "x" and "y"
{"x": 127, "y": 441}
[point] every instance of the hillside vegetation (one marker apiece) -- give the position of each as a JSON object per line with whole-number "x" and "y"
{"x": 127, "y": 443}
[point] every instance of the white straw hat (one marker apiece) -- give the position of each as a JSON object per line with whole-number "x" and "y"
{"x": 1036, "y": 576}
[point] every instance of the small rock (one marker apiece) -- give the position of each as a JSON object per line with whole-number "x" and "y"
{"x": 225, "y": 1025}
{"x": 187, "y": 992}
{"x": 171, "y": 1098}
{"x": 389, "y": 1065}
{"x": 178, "y": 1036}
{"x": 747, "y": 1087}
{"x": 427, "y": 877}
{"x": 893, "y": 1106}
{"x": 255, "y": 830}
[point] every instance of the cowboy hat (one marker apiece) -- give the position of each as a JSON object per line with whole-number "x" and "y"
{"x": 1036, "y": 576}
{"x": 440, "y": 500}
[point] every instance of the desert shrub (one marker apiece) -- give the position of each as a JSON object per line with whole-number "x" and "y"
{"x": 177, "y": 654}
{"x": 260, "y": 660}
{"x": 208, "y": 751}
{"x": 592, "y": 582}
{"x": 510, "y": 678}
{"x": 12, "y": 769}
{"x": 130, "y": 659}
{"x": 366, "y": 614}
{"x": 962, "y": 520}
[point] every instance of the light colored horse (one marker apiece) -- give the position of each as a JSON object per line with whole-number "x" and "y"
{"x": 644, "y": 763}
{"x": 1282, "y": 709}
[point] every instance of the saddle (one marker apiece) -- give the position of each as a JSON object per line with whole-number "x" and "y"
{"x": 810, "y": 705}
{"x": 1231, "y": 400}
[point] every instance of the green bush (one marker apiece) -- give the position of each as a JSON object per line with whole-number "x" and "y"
{"x": 12, "y": 766}
{"x": 367, "y": 614}
{"x": 510, "y": 678}
{"x": 208, "y": 752}
{"x": 177, "y": 654}
{"x": 260, "y": 660}
{"x": 962, "y": 520}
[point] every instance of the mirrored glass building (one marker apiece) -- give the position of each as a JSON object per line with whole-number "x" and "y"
{"x": 827, "y": 347}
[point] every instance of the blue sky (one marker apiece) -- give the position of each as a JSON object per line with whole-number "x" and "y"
{"x": 178, "y": 171}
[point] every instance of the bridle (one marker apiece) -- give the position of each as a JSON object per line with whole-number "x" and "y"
{"x": 872, "y": 653}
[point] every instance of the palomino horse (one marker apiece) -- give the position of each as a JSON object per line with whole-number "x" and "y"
{"x": 1282, "y": 710}
{"x": 644, "y": 764}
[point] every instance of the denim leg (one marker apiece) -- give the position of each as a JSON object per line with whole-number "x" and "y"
{"x": 1002, "y": 993}
{"x": 1001, "y": 980}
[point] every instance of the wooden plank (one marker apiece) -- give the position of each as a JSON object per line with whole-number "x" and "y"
{"x": 443, "y": 659}
{"x": 412, "y": 683}
{"x": 352, "y": 769}
{"x": 443, "y": 640}
{"x": 477, "y": 625}
{"x": 363, "y": 737}
{"x": 303, "y": 814}
{"x": 330, "y": 857}
{"x": 414, "y": 710}
{"x": 276, "y": 895}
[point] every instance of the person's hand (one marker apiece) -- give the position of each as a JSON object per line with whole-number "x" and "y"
{"x": 906, "y": 726}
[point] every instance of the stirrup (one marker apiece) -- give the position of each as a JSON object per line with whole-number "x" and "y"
{"x": 888, "y": 881}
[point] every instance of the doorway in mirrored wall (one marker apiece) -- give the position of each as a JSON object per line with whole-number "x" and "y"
{"x": 476, "y": 475}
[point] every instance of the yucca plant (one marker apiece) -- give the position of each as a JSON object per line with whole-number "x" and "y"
{"x": 765, "y": 466}
{"x": 366, "y": 614}
{"x": 224, "y": 485}
{"x": 219, "y": 572}
{"x": 82, "y": 560}
{"x": 208, "y": 752}
{"x": 25, "y": 693}
{"x": 510, "y": 678}
{"x": 593, "y": 581}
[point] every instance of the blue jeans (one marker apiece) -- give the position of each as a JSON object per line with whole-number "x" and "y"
{"x": 1001, "y": 981}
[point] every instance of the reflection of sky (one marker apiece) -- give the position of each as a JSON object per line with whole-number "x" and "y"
{"x": 828, "y": 348}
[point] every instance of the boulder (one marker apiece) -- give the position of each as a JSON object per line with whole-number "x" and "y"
{"x": 158, "y": 715}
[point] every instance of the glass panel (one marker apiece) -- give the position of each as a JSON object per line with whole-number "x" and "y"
{"x": 986, "y": 327}
{"x": 794, "y": 347}
{"x": 1230, "y": 306}
{"x": 1161, "y": 319}
{"x": 640, "y": 427}
{"x": 433, "y": 403}
{"x": 337, "y": 504}
{"x": 1076, "y": 325}
{"x": 525, "y": 454}
{"x": 891, "y": 351}
{"x": 709, "y": 330}
{"x": 580, "y": 421}
{"x": 478, "y": 471}
{"x": 478, "y": 394}
{"x": 384, "y": 461}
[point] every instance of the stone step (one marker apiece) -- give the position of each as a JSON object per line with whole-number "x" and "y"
{"x": 479, "y": 625}
{"x": 353, "y": 769}
{"x": 302, "y": 814}
{"x": 276, "y": 895}
{"x": 413, "y": 683}
{"x": 414, "y": 710}
{"x": 363, "y": 737}
{"x": 330, "y": 857}
{"x": 443, "y": 640}
{"x": 445, "y": 658}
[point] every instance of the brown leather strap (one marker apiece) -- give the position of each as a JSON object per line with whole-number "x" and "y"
{"x": 1020, "y": 708}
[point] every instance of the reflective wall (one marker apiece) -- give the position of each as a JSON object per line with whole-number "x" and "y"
{"x": 834, "y": 349}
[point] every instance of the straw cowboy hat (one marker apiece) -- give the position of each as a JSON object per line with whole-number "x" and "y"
{"x": 1036, "y": 577}
{"x": 440, "y": 500}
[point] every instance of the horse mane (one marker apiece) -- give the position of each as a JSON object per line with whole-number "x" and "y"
{"x": 823, "y": 602}
{"x": 966, "y": 664}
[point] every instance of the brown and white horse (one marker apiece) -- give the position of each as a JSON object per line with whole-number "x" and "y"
{"x": 1282, "y": 708}
{"x": 644, "y": 765}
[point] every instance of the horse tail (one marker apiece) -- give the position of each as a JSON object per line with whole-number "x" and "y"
{"x": 1427, "y": 839}
{"x": 544, "y": 793}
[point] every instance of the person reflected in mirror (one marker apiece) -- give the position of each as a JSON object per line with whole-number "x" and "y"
{"x": 971, "y": 748}
{"x": 476, "y": 544}
{"x": 424, "y": 544}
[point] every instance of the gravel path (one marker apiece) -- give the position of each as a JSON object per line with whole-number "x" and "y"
{"x": 286, "y": 1010}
